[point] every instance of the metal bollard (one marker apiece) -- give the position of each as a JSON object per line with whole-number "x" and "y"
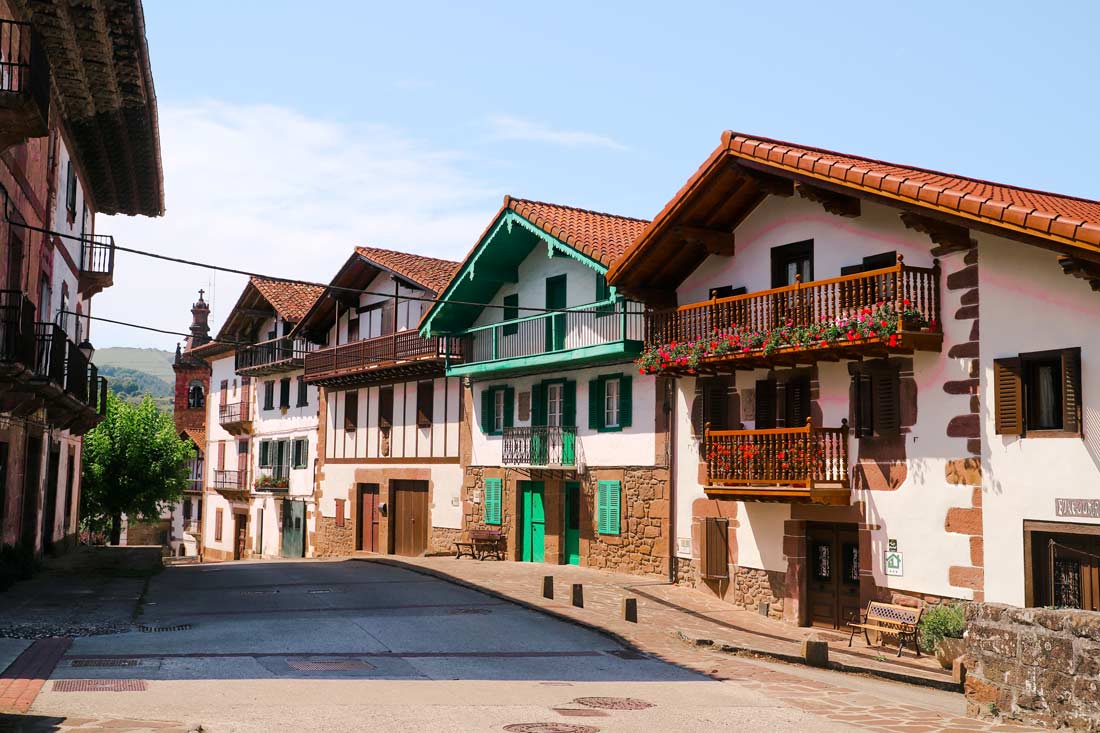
{"x": 630, "y": 610}
{"x": 548, "y": 586}
{"x": 578, "y": 595}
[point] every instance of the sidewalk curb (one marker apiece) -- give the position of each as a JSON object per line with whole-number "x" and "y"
{"x": 945, "y": 685}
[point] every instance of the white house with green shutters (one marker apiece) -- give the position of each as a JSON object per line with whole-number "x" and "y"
{"x": 568, "y": 451}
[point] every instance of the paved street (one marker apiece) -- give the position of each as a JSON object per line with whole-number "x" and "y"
{"x": 332, "y": 645}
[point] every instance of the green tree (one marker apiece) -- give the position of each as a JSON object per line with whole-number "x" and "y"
{"x": 134, "y": 464}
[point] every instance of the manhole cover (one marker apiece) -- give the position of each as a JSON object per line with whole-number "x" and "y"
{"x": 159, "y": 629}
{"x": 469, "y": 611}
{"x": 550, "y": 728}
{"x": 99, "y": 686}
{"x": 614, "y": 703}
{"x": 328, "y": 665}
{"x": 105, "y": 663}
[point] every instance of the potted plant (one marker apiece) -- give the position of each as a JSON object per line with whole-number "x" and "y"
{"x": 941, "y": 632}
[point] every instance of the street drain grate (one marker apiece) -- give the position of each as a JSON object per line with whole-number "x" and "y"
{"x": 99, "y": 686}
{"x": 614, "y": 703}
{"x": 580, "y": 712}
{"x": 328, "y": 665}
{"x": 105, "y": 663}
{"x": 628, "y": 654}
{"x": 550, "y": 728}
{"x": 469, "y": 611}
{"x": 158, "y": 629}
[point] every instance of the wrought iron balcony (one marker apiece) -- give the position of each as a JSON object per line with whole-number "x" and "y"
{"x": 101, "y": 404}
{"x": 895, "y": 309}
{"x": 17, "y": 330}
{"x": 235, "y": 417}
{"x": 76, "y": 373}
{"x": 231, "y": 480}
{"x": 579, "y": 335}
{"x": 97, "y": 262}
{"x": 269, "y": 357}
{"x": 404, "y": 351}
{"x": 24, "y": 84}
{"x": 803, "y": 464}
{"x": 50, "y": 353}
{"x": 541, "y": 445}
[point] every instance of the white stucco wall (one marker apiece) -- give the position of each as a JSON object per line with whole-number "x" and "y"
{"x": 1028, "y": 305}
{"x": 445, "y": 507}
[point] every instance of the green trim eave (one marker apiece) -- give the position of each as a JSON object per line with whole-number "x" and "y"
{"x": 506, "y": 220}
{"x": 572, "y": 358}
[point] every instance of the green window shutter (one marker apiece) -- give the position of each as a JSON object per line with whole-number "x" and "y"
{"x": 487, "y": 411}
{"x": 509, "y": 406}
{"x": 595, "y": 404}
{"x": 569, "y": 404}
{"x": 601, "y": 507}
{"x": 609, "y": 507}
{"x": 492, "y": 500}
{"x": 538, "y": 404}
{"x": 265, "y": 453}
{"x": 626, "y": 400}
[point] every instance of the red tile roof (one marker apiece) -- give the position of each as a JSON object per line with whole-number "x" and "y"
{"x": 1035, "y": 212}
{"x": 291, "y": 300}
{"x": 428, "y": 272}
{"x": 197, "y": 436}
{"x": 603, "y": 237}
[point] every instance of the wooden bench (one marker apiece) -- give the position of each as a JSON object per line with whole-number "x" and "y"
{"x": 483, "y": 543}
{"x": 887, "y": 618}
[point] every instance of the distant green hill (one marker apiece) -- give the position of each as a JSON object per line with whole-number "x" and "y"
{"x": 134, "y": 373}
{"x": 154, "y": 362}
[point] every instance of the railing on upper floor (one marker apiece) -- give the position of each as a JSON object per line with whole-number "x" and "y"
{"x": 540, "y": 445}
{"x": 234, "y": 412}
{"x": 594, "y": 324}
{"x": 805, "y": 456}
{"x": 97, "y": 257}
{"x": 17, "y": 330}
{"x": 273, "y": 355}
{"x": 233, "y": 480}
{"x": 24, "y": 83}
{"x": 358, "y": 356}
{"x": 50, "y": 352}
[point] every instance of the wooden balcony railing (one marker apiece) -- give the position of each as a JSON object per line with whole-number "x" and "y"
{"x": 802, "y": 457}
{"x": 232, "y": 480}
{"x": 234, "y": 412}
{"x": 909, "y": 296}
{"x": 361, "y": 356}
{"x": 17, "y": 330}
{"x": 271, "y": 356}
{"x": 594, "y": 324}
{"x": 540, "y": 446}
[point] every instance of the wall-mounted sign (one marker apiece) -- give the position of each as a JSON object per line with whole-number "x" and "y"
{"x": 1077, "y": 508}
{"x": 892, "y": 545}
{"x": 893, "y": 563}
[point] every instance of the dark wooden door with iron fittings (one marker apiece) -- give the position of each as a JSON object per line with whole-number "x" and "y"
{"x": 410, "y": 517}
{"x": 240, "y": 535}
{"x": 367, "y": 517}
{"x": 833, "y": 580}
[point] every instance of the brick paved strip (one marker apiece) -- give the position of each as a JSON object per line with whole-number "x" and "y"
{"x": 21, "y": 682}
{"x": 397, "y": 655}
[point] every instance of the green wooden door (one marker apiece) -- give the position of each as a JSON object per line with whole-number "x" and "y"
{"x": 572, "y": 523}
{"x": 293, "y": 534}
{"x": 534, "y": 522}
{"x": 555, "y": 324}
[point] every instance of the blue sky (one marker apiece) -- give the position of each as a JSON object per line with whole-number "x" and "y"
{"x": 291, "y": 132}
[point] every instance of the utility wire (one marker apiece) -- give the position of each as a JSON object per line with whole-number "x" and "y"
{"x": 146, "y": 328}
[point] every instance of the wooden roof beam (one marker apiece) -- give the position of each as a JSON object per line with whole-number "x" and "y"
{"x": 947, "y": 237}
{"x": 1088, "y": 271}
{"x": 656, "y": 297}
{"x": 714, "y": 241}
{"x": 766, "y": 182}
{"x": 831, "y": 201}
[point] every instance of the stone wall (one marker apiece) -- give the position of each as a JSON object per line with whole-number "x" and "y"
{"x": 442, "y": 540}
{"x": 1034, "y": 665}
{"x": 752, "y": 586}
{"x": 333, "y": 541}
{"x": 687, "y": 573}
{"x": 642, "y": 545}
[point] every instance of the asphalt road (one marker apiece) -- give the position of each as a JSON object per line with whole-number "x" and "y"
{"x": 349, "y": 645}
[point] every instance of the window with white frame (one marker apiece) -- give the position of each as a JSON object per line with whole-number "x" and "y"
{"x": 611, "y": 403}
{"x": 554, "y": 404}
{"x": 498, "y": 411}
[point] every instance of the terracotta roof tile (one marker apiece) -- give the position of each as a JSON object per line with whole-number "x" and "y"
{"x": 603, "y": 237}
{"x": 197, "y": 436}
{"x": 428, "y": 272}
{"x": 291, "y": 300}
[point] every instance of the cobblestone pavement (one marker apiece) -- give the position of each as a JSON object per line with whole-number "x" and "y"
{"x": 844, "y": 698}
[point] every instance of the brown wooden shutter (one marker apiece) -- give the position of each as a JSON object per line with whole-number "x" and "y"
{"x": 385, "y": 407}
{"x": 425, "y": 402}
{"x": 1008, "y": 396}
{"x": 887, "y": 401}
{"x": 1071, "y": 390}
{"x": 716, "y": 406}
{"x": 716, "y": 548}
{"x": 339, "y": 513}
{"x": 697, "y": 422}
{"x": 218, "y": 521}
{"x": 221, "y": 456}
{"x": 765, "y": 404}
{"x": 797, "y": 406}
{"x": 351, "y": 409}
{"x": 863, "y": 396}
{"x": 224, "y": 399}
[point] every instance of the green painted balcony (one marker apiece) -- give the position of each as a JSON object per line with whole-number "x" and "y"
{"x": 612, "y": 330}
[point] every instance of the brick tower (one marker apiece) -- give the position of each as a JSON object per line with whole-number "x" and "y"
{"x": 192, "y": 373}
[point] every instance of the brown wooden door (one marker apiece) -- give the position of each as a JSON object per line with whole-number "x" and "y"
{"x": 1066, "y": 570}
{"x": 240, "y": 535}
{"x": 833, "y": 582}
{"x": 368, "y": 517}
{"x": 410, "y": 517}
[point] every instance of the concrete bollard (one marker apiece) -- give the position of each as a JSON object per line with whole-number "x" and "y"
{"x": 578, "y": 595}
{"x": 815, "y": 652}
{"x": 630, "y": 610}
{"x": 548, "y": 586}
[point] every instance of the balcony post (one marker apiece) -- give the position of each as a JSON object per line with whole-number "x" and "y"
{"x": 706, "y": 450}
{"x": 624, "y": 320}
{"x": 495, "y": 344}
{"x": 899, "y": 284}
{"x": 935, "y": 293}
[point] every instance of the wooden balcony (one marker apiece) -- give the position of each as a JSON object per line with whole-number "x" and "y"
{"x": 270, "y": 357}
{"x": 400, "y": 354}
{"x": 540, "y": 446}
{"x": 870, "y": 314}
{"x": 235, "y": 418}
{"x": 577, "y": 336}
{"x": 24, "y": 84}
{"x": 97, "y": 263}
{"x": 792, "y": 465}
